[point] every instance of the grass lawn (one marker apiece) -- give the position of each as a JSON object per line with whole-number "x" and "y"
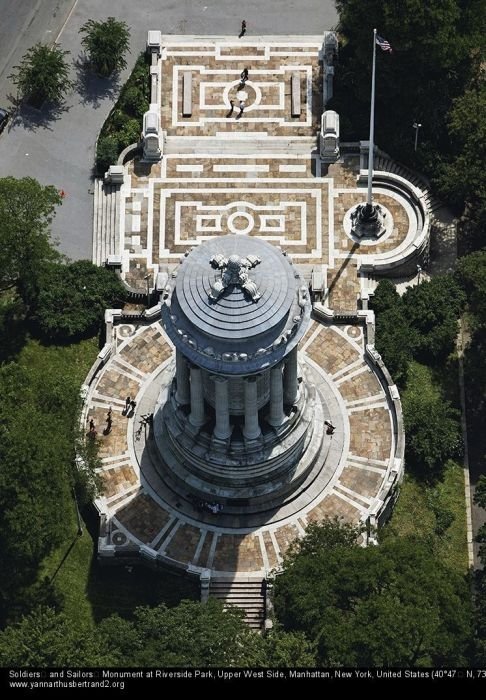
{"x": 413, "y": 514}
{"x": 88, "y": 591}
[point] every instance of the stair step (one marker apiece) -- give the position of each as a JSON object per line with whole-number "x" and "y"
{"x": 246, "y": 594}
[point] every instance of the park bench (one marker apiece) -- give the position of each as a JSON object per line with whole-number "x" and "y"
{"x": 295, "y": 94}
{"x": 186, "y": 94}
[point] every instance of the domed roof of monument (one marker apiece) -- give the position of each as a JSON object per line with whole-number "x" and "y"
{"x": 236, "y": 298}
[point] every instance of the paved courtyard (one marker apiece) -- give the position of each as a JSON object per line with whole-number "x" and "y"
{"x": 141, "y": 510}
{"x": 256, "y": 174}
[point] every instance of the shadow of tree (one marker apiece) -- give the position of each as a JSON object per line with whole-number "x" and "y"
{"x": 33, "y": 118}
{"x": 92, "y": 88}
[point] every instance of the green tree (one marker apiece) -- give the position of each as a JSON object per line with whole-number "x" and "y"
{"x": 462, "y": 179}
{"x": 43, "y": 75}
{"x": 431, "y": 425}
{"x": 73, "y": 298}
{"x": 288, "y": 650}
{"x": 471, "y": 273}
{"x": 432, "y": 60}
{"x": 480, "y": 492}
{"x": 396, "y": 341}
{"x": 26, "y": 211}
{"x": 106, "y": 44}
{"x": 385, "y": 297}
{"x": 432, "y": 310}
{"x": 38, "y": 412}
{"x": 46, "y": 638}
{"x": 392, "y": 605}
{"x": 190, "y": 634}
{"x": 107, "y": 152}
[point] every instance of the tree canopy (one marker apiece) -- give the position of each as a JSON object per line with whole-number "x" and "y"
{"x": 472, "y": 274}
{"x": 463, "y": 178}
{"x": 191, "y": 634}
{"x": 26, "y": 212}
{"x": 432, "y": 60}
{"x": 38, "y": 411}
{"x": 43, "y": 74}
{"x": 106, "y": 44}
{"x": 73, "y": 297}
{"x": 392, "y": 605}
{"x": 46, "y": 638}
{"x": 431, "y": 425}
{"x": 432, "y": 309}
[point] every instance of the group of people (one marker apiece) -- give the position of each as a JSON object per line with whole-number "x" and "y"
{"x": 242, "y": 105}
{"x": 129, "y": 409}
{"x": 92, "y": 433}
{"x": 213, "y": 507}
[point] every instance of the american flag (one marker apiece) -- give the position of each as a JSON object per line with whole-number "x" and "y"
{"x": 383, "y": 44}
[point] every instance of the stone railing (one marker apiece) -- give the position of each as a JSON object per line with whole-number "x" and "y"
{"x": 383, "y": 503}
{"x": 396, "y": 262}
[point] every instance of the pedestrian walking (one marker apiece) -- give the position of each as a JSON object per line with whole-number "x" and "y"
{"x": 243, "y": 29}
{"x": 231, "y": 109}
{"x": 330, "y": 427}
{"x": 91, "y": 426}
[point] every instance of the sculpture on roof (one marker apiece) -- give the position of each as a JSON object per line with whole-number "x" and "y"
{"x": 234, "y": 272}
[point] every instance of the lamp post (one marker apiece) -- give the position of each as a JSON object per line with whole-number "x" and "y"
{"x": 416, "y": 126}
{"x": 147, "y": 278}
{"x": 78, "y": 514}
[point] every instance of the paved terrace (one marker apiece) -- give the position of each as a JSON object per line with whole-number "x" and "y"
{"x": 142, "y": 512}
{"x": 257, "y": 175}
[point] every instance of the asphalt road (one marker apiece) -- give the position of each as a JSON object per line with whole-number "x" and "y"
{"x": 59, "y": 148}
{"x": 23, "y": 23}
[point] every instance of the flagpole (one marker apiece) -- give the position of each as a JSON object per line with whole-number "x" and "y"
{"x": 372, "y": 127}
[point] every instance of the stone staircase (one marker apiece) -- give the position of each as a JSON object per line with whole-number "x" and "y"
{"x": 243, "y": 592}
{"x": 106, "y": 222}
{"x": 390, "y": 166}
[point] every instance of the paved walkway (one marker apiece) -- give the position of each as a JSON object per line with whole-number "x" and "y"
{"x": 58, "y": 148}
{"x": 141, "y": 509}
{"x": 257, "y": 175}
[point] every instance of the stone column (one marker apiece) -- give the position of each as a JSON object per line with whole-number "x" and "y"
{"x": 183, "y": 392}
{"x": 197, "y": 417}
{"x": 222, "y": 429}
{"x": 276, "y": 416}
{"x": 291, "y": 385}
{"x": 251, "y": 429}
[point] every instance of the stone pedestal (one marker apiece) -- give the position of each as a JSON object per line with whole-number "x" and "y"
{"x": 368, "y": 221}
